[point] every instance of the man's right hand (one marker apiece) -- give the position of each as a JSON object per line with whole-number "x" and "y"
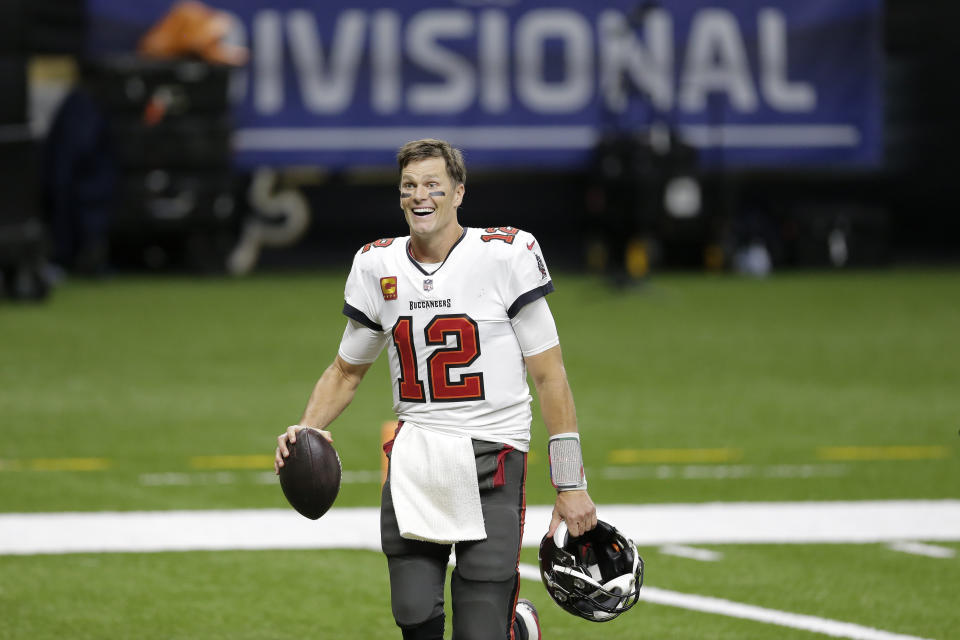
{"x": 290, "y": 437}
{"x": 577, "y": 510}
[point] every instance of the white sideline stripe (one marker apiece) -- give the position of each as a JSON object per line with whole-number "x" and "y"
{"x": 151, "y": 531}
{"x": 719, "y": 606}
{"x": 787, "y": 522}
{"x": 683, "y": 551}
{"x": 358, "y": 528}
{"x": 921, "y": 549}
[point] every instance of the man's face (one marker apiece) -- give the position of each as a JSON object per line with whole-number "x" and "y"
{"x": 428, "y": 197}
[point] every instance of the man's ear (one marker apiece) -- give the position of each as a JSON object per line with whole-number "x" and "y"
{"x": 458, "y": 194}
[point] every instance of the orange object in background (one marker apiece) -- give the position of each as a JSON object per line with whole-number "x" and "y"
{"x": 192, "y": 28}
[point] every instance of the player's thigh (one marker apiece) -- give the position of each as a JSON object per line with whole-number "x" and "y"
{"x": 495, "y": 558}
{"x": 417, "y": 569}
{"x": 416, "y": 588}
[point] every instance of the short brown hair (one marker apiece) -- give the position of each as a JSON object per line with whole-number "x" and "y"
{"x": 431, "y": 148}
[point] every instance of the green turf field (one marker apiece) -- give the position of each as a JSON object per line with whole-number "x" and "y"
{"x": 135, "y": 394}
{"x": 316, "y": 594}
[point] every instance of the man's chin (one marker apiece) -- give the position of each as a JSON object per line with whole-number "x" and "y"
{"x": 421, "y": 224}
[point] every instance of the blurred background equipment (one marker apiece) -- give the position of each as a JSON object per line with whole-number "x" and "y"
{"x": 645, "y": 200}
{"x": 139, "y": 169}
{"x": 27, "y": 29}
{"x": 117, "y": 160}
{"x": 922, "y": 130}
{"x": 22, "y": 239}
{"x": 168, "y": 131}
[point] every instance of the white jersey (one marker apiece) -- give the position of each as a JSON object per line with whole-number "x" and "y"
{"x": 456, "y": 363}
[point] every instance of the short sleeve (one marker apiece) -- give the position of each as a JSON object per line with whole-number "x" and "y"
{"x": 360, "y": 344}
{"x": 358, "y": 301}
{"x": 535, "y": 328}
{"x": 529, "y": 278}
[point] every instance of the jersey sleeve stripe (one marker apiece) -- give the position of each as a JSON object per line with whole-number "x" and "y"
{"x": 527, "y": 298}
{"x": 355, "y": 314}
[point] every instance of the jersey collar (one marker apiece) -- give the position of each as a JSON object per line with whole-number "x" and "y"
{"x": 410, "y": 257}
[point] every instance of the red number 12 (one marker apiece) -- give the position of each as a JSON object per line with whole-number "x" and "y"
{"x": 463, "y": 353}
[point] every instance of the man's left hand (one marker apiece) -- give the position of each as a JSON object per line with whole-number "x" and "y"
{"x": 577, "y": 510}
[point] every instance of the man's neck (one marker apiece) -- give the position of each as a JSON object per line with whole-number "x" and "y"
{"x": 431, "y": 250}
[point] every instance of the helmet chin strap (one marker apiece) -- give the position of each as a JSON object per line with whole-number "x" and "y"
{"x": 579, "y": 574}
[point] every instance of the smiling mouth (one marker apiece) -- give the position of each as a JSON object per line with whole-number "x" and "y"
{"x": 422, "y": 211}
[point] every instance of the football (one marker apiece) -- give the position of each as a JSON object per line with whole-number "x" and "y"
{"x": 310, "y": 475}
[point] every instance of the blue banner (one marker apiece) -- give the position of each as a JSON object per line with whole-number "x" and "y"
{"x": 749, "y": 83}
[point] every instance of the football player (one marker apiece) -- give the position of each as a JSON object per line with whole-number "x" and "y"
{"x": 465, "y": 315}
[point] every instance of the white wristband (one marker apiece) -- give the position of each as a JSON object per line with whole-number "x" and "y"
{"x": 566, "y": 462}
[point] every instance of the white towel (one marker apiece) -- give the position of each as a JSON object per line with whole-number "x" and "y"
{"x": 433, "y": 479}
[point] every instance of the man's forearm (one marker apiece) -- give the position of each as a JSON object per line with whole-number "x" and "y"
{"x": 556, "y": 406}
{"x": 332, "y": 393}
{"x": 559, "y": 415}
{"x": 556, "y": 400}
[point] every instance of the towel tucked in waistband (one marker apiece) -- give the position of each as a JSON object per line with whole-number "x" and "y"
{"x": 433, "y": 481}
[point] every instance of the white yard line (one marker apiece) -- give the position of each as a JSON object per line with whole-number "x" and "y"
{"x": 723, "y": 607}
{"x": 358, "y": 528}
{"x": 732, "y": 609}
{"x": 921, "y": 549}
{"x": 787, "y": 522}
{"x": 693, "y": 553}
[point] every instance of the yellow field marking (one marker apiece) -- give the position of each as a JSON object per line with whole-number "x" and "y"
{"x": 635, "y": 456}
{"x": 69, "y": 464}
{"x": 258, "y": 461}
{"x": 934, "y": 452}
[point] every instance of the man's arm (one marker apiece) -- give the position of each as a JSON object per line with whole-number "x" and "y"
{"x": 560, "y": 416}
{"x": 331, "y": 395}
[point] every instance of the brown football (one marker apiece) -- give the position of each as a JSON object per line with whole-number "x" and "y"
{"x": 310, "y": 475}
